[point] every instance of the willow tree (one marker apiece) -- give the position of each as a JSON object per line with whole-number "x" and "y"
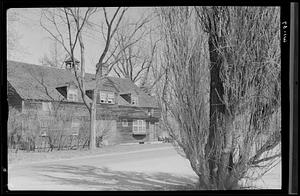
{"x": 237, "y": 138}
{"x": 184, "y": 91}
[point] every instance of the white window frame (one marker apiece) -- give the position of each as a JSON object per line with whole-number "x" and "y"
{"x": 107, "y": 97}
{"x": 75, "y": 126}
{"x": 134, "y": 100}
{"x": 110, "y": 97}
{"x": 135, "y": 125}
{"x": 46, "y": 106}
{"x": 72, "y": 95}
{"x": 43, "y": 133}
{"x": 139, "y": 127}
{"x": 103, "y": 96}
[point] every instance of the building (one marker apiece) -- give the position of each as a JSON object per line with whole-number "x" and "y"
{"x": 52, "y": 101}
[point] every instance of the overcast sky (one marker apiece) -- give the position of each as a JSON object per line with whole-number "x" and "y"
{"x": 34, "y": 42}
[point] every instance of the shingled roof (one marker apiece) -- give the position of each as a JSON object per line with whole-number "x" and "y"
{"x": 40, "y": 82}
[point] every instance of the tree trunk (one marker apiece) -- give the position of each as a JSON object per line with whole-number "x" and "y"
{"x": 221, "y": 125}
{"x": 82, "y": 57}
{"x": 93, "y": 124}
{"x": 217, "y": 108}
{"x": 93, "y": 112}
{"x": 225, "y": 179}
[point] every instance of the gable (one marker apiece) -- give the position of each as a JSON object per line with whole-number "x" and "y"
{"x": 13, "y": 97}
{"x": 62, "y": 90}
{"x": 107, "y": 85}
{"x": 126, "y": 86}
{"x": 32, "y": 82}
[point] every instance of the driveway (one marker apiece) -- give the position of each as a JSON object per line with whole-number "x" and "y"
{"x": 159, "y": 168}
{"x": 147, "y": 169}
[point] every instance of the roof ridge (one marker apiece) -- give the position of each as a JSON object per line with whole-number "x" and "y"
{"x": 27, "y": 86}
{"x": 43, "y": 66}
{"x": 50, "y": 67}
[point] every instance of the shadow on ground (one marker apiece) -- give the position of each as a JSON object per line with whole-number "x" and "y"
{"x": 94, "y": 178}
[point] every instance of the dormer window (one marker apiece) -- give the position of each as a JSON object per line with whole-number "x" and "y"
{"x": 72, "y": 95}
{"x": 103, "y": 96}
{"x": 46, "y": 106}
{"x": 107, "y": 97}
{"x": 110, "y": 98}
{"x": 134, "y": 100}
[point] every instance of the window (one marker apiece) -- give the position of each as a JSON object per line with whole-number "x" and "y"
{"x": 43, "y": 133}
{"x": 134, "y": 100}
{"x": 43, "y": 124}
{"x": 110, "y": 98}
{"x": 72, "y": 95}
{"x": 139, "y": 127}
{"x": 75, "y": 126}
{"x": 107, "y": 97}
{"x": 46, "y": 106}
{"x": 124, "y": 123}
{"x": 103, "y": 96}
{"x": 151, "y": 112}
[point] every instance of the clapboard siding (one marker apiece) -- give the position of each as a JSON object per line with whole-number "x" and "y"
{"x": 125, "y": 134}
{"x": 109, "y": 130}
{"x": 105, "y": 113}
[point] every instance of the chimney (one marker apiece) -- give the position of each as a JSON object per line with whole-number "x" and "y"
{"x": 69, "y": 64}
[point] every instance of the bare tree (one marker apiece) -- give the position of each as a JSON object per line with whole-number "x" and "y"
{"x": 56, "y": 57}
{"x": 74, "y": 20}
{"x": 104, "y": 62}
{"x": 245, "y": 83}
{"x": 13, "y": 36}
{"x": 65, "y": 25}
{"x": 135, "y": 59}
{"x": 241, "y": 128}
{"x": 184, "y": 92}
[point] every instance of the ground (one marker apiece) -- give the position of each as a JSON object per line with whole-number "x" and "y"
{"x": 134, "y": 167}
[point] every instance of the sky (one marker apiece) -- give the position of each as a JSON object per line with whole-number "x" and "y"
{"x": 34, "y": 42}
